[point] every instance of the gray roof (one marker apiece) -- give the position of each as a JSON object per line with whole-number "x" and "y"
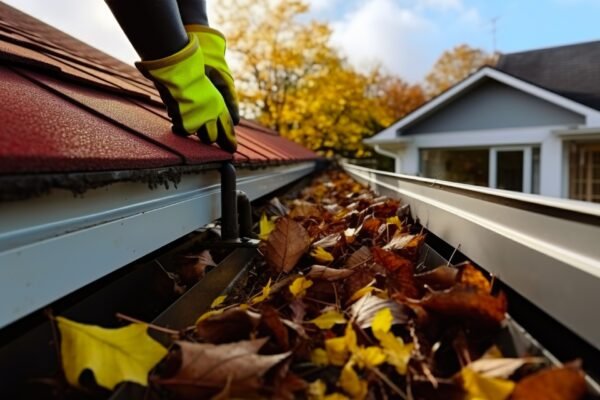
{"x": 572, "y": 71}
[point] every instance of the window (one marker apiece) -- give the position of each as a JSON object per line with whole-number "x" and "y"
{"x": 464, "y": 166}
{"x": 584, "y": 171}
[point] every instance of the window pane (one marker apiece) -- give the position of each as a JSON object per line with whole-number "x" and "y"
{"x": 584, "y": 170}
{"x": 463, "y": 166}
{"x": 509, "y": 175}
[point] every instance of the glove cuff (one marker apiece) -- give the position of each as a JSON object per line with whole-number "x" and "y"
{"x": 189, "y": 50}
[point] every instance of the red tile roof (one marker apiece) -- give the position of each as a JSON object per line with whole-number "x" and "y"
{"x": 67, "y": 107}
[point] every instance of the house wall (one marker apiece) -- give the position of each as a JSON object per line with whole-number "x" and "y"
{"x": 493, "y": 105}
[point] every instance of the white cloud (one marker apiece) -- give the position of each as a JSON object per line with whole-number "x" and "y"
{"x": 322, "y": 5}
{"x": 440, "y": 4}
{"x": 89, "y": 21}
{"x": 380, "y": 31}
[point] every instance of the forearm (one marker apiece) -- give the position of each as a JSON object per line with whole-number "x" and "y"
{"x": 193, "y": 12}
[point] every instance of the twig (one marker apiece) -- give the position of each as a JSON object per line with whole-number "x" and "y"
{"x": 452, "y": 255}
{"x": 151, "y": 326}
{"x": 388, "y": 382}
{"x": 50, "y": 315}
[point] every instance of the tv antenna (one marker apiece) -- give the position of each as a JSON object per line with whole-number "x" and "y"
{"x": 494, "y": 23}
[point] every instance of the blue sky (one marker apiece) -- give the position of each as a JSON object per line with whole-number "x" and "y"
{"x": 405, "y": 36}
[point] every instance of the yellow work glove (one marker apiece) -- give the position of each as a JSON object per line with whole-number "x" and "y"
{"x": 193, "y": 102}
{"x": 213, "y": 46}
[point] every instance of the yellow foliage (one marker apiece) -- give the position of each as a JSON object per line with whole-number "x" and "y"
{"x": 319, "y": 357}
{"x": 299, "y": 286}
{"x": 114, "y": 355}
{"x": 337, "y": 350}
{"x": 351, "y": 383}
{"x": 218, "y": 301}
{"x": 479, "y": 387}
{"x": 396, "y": 351}
{"x": 328, "y": 319}
{"x": 265, "y": 227}
{"x": 394, "y": 221}
{"x": 322, "y": 255}
{"x": 369, "y": 357}
{"x": 266, "y": 291}
{"x": 316, "y": 390}
{"x": 382, "y": 322}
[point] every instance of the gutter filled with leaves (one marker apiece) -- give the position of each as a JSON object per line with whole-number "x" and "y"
{"x": 343, "y": 300}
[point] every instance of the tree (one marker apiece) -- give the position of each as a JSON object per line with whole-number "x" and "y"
{"x": 455, "y": 65}
{"x": 395, "y": 98}
{"x": 290, "y": 79}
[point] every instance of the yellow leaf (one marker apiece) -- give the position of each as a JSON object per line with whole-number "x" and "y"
{"x": 361, "y": 293}
{"x": 350, "y": 338}
{"x": 299, "y": 286}
{"x": 351, "y": 383}
{"x": 337, "y": 351}
{"x": 218, "y": 301}
{"x": 322, "y": 255}
{"x": 266, "y": 291}
{"x": 369, "y": 357}
{"x": 394, "y": 221}
{"x": 382, "y": 322}
{"x": 265, "y": 227}
{"x": 335, "y": 396}
{"x": 328, "y": 319}
{"x": 479, "y": 387}
{"x": 114, "y": 355}
{"x": 319, "y": 357}
{"x": 316, "y": 390}
{"x": 397, "y": 353}
{"x": 209, "y": 314}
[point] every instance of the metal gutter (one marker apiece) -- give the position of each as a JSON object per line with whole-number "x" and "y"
{"x": 545, "y": 249}
{"x": 53, "y": 245}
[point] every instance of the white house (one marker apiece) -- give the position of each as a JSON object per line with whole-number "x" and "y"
{"x": 531, "y": 124}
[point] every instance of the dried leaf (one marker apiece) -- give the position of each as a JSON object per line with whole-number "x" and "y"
{"x": 319, "y": 357}
{"x": 285, "y": 245}
{"x": 321, "y": 255}
{"x": 327, "y": 273}
{"x": 369, "y": 357}
{"x": 299, "y": 286}
{"x": 192, "y": 273}
{"x": 218, "y": 301}
{"x": 277, "y": 208}
{"x": 440, "y": 278}
{"x": 113, "y": 355}
{"x": 263, "y": 295}
{"x": 500, "y": 367}
{"x": 566, "y": 383}
{"x": 328, "y": 241}
{"x": 401, "y": 274}
{"x": 350, "y": 382}
{"x": 479, "y": 387}
{"x": 328, "y": 319}
{"x": 399, "y": 241}
{"x": 212, "y": 365}
{"x": 265, "y": 227}
{"x": 365, "y": 309}
{"x": 304, "y": 209}
{"x": 394, "y": 221}
{"x": 358, "y": 258}
{"x": 227, "y": 326}
{"x": 471, "y": 276}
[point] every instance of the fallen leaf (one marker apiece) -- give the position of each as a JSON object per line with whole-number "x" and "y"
{"x": 211, "y": 365}
{"x": 277, "y": 208}
{"x": 218, "y": 301}
{"x": 321, "y": 255}
{"x": 304, "y": 209}
{"x": 272, "y": 326}
{"x": 397, "y": 353}
{"x": 440, "y": 278}
{"x": 192, "y": 273}
{"x": 113, "y": 355}
{"x": 501, "y": 367}
{"x": 471, "y": 276}
{"x": 327, "y": 273}
{"x": 319, "y": 357}
{"x": 328, "y": 241}
{"x": 358, "y": 258}
{"x": 328, "y": 319}
{"x": 265, "y": 227}
{"x": 227, "y": 326}
{"x": 286, "y": 245}
{"x": 566, "y": 383}
{"x": 351, "y": 384}
{"x": 394, "y": 221}
{"x": 316, "y": 390}
{"x": 399, "y": 241}
{"x": 365, "y": 309}
{"x": 401, "y": 271}
{"x": 299, "y": 286}
{"x": 479, "y": 387}
{"x": 263, "y": 295}
{"x": 369, "y": 357}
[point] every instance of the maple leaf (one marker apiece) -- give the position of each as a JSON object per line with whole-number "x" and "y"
{"x": 299, "y": 286}
{"x": 114, "y": 355}
{"x": 286, "y": 245}
{"x": 328, "y": 319}
{"x": 265, "y": 227}
{"x": 479, "y": 387}
{"x": 328, "y": 274}
{"x": 322, "y": 255}
{"x": 211, "y": 365}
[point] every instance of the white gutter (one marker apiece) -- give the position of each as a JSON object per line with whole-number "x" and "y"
{"x": 545, "y": 249}
{"x": 53, "y": 245}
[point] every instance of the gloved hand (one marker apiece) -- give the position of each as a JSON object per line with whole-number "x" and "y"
{"x": 213, "y": 45}
{"x": 193, "y": 102}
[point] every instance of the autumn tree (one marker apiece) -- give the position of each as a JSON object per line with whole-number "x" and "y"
{"x": 290, "y": 79}
{"x": 394, "y": 98}
{"x": 455, "y": 65}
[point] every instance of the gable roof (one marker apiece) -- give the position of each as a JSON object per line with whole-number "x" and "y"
{"x": 571, "y": 71}
{"x": 389, "y": 134}
{"x": 70, "y": 108}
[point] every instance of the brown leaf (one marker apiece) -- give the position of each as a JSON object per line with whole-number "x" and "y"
{"x": 371, "y": 227}
{"x": 471, "y": 276}
{"x": 327, "y": 273}
{"x": 328, "y": 241}
{"x": 286, "y": 245}
{"x": 469, "y": 305}
{"x": 401, "y": 271}
{"x": 358, "y": 258}
{"x": 566, "y": 383}
{"x": 501, "y": 367}
{"x": 399, "y": 241}
{"x": 304, "y": 209}
{"x": 192, "y": 273}
{"x": 212, "y": 366}
{"x": 367, "y": 306}
{"x": 277, "y": 208}
{"x": 271, "y": 325}
{"x": 440, "y": 278}
{"x": 230, "y": 326}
